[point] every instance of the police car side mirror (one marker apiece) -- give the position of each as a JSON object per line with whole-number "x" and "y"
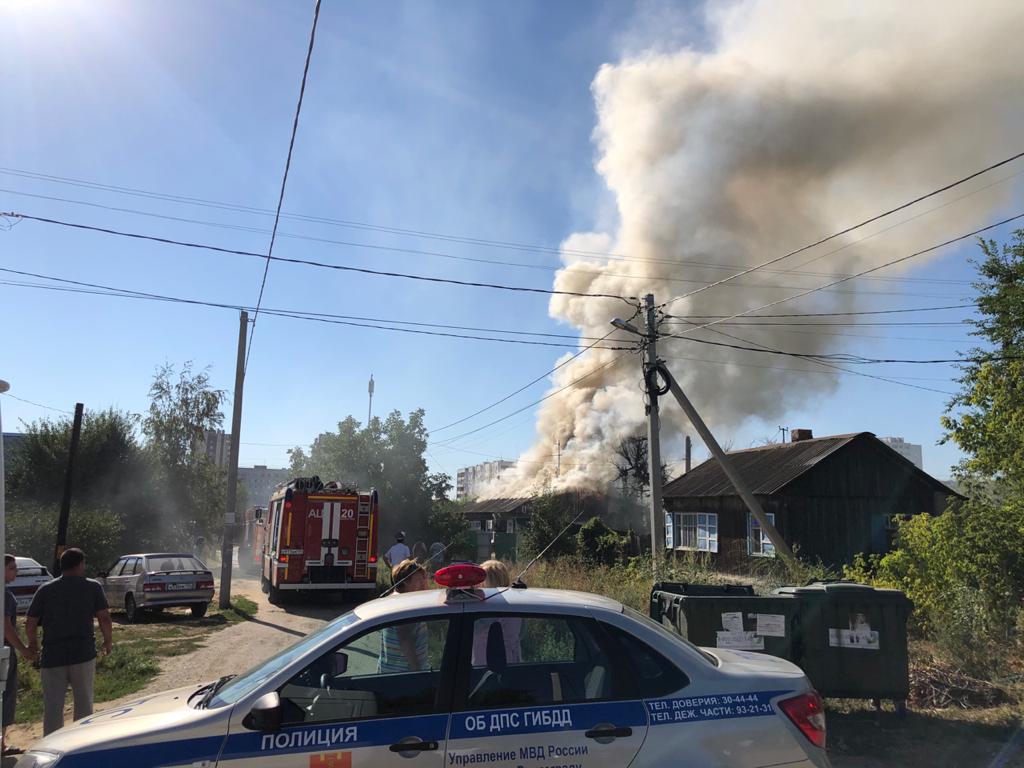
{"x": 340, "y": 666}
{"x": 265, "y": 714}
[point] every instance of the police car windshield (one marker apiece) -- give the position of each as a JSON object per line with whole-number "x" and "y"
{"x": 249, "y": 681}
{"x": 667, "y": 633}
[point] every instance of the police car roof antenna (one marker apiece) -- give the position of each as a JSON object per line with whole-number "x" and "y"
{"x": 518, "y": 582}
{"x": 429, "y": 560}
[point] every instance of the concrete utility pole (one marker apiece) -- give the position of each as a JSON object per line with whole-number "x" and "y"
{"x": 730, "y": 471}
{"x": 65, "y": 503}
{"x": 653, "y": 435}
{"x": 688, "y": 454}
{"x": 227, "y": 547}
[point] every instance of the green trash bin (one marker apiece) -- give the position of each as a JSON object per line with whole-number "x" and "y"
{"x": 731, "y": 619}
{"x": 664, "y": 596}
{"x": 853, "y": 640}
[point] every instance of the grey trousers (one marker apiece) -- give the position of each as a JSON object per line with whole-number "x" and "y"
{"x": 55, "y": 681}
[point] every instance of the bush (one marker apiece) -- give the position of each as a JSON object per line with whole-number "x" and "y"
{"x": 599, "y": 544}
{"x": 449, "y": 526}
{"x": 964, "y": 570}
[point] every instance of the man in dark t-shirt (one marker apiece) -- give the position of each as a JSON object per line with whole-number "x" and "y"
{"x": 65, "y": 608}
{"x": 12, "y": 640}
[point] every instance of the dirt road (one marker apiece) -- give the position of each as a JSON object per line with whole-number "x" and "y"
{"x": 232, "y": 649}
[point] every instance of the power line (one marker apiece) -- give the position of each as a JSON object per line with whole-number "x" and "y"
{"x": 498, "y": 262}
{"x": 847, "y": 230}
{"x": 37, "y": 405}
{"x": 522, "y": 388}
{"x": 823, "y": 362}
{"x": 311, "y": 263}
{"x": 284, "y": 180}
{"x": 818, "y": 324}
{"x": 349, "y": 320}
{"x": 833, "y": 314}
{"x": 851, "y": 277}
{"x": 417, "y": 233}
{"x": 848, "y": 358}
{"x": 572, "y": 383}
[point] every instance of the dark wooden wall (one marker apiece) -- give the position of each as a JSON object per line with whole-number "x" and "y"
{"x": 836, "y": 510}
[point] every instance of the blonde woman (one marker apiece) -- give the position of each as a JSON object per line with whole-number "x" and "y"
{"x": 511, "y": 627}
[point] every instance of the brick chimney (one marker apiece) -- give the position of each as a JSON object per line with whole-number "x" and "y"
{"x": 798, "y": 435}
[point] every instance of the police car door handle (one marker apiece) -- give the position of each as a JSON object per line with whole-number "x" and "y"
{"x": 605, "y": 732}
{"x": 413, "y": 744}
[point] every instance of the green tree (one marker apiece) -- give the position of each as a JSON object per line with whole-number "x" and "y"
{"x": 449, "y": 526}
{"x": 550, "y": 514}
{"x": 112, "y": 489}
{"x": 986, "y": 418}
{"x": 191, "y": 493}
{"x": 600, "y": 545}
{"x": 387, "y": 455}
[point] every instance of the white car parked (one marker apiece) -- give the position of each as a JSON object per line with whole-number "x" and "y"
{"x": 31, "y": 576}
{"x": 467, "y": 677}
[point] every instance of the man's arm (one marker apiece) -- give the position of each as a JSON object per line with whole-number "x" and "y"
{"x": 107, "y": 628}
{"x": 12, "y": 638}
{"x": 32, "y": 632}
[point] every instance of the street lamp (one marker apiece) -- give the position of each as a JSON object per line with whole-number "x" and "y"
{"x": 622, "y": 325}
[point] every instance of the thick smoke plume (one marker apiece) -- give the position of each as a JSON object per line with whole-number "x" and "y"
{"x": 800, "y": 119}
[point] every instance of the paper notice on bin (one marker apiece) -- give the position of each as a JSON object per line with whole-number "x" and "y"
{"x": 732, "y": 621}
{"x": 771, "y": 625}
{"x": 865, "y": 639}
{"x": 740, "y": 641}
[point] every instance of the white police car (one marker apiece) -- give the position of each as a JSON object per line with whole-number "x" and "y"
{"x": 514, "y": 678}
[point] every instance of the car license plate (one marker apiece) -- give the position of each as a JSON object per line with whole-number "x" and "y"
{"x": 179, "y": 587}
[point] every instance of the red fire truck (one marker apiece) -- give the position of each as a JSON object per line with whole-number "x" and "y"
{"x": 317, "y": 537}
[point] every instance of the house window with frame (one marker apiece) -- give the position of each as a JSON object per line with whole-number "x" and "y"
{"x": 475, "y": 525}
{"x": 693, "y": 530}
{"x": 758, "y": 543}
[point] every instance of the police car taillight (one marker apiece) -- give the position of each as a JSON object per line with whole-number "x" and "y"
{"x": 808, "y": 714}
{"x": 460, "y": 575}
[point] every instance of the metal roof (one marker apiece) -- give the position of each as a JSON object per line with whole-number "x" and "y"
{"x": 766, "y": 469}
{"x": 495, "y": 506}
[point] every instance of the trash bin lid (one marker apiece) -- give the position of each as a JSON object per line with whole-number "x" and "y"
{"x": 822, "y": 589}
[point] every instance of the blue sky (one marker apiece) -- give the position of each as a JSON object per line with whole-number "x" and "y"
{"x": 472, "y": 119}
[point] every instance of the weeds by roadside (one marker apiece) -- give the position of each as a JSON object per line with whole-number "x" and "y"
{"x": 138, "y": 649}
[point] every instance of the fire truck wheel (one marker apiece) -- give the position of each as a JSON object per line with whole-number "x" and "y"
{"x": 273, "y": 594}
{"x": 198, "y": 611}
{"x": 264, "y": 585}
{"x": 132, "y": 612}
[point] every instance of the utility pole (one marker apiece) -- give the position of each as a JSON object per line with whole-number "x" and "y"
{"x": 688, "y": 460}
{"x": 65, "y": 503}
{"x": 730, "y": 471}
{"x": 227, "y": 547}
{"x": 784, "y": 430}
{"x": 369, "y": 410}
{"x": 558, "y": 460}
{"x": 653, "y": 434}
{"x": 6, "y": 650}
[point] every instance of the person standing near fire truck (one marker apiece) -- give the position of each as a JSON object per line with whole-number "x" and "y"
{"x": 399, "y": 551}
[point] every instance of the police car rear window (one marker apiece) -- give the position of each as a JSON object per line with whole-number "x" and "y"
{"x": 661, "y": 630}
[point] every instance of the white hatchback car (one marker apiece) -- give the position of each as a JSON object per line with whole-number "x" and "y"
{"x": 519, "y": 677}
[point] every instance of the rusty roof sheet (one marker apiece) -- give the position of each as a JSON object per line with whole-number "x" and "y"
{"x": 766, "y": 469}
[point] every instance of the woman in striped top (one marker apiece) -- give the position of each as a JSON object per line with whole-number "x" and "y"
{"x": 403, "y": 647}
